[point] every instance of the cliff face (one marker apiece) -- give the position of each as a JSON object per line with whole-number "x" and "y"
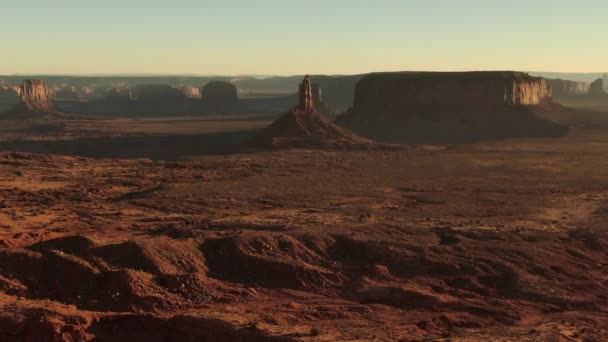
{"x": 219, "y": 92}
{"x": 564, "y": 88}
{"x": 35, "y": 96}
{"x": 448, "y": 107}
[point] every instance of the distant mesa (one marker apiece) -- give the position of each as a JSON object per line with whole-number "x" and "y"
{"x": 565, "y": 88}
{"x": 36, "y": 97}
{"x": 304, "y": 127}
{"x": 157, "y": 93}
{"x": 597, "y": 88}
{"x": 118, "y": 94}
{"x": 443, "y": 107}
{"x": 9, "y": 97}
{"x": 67, "y": 93}
{"x": 219, "y": 92}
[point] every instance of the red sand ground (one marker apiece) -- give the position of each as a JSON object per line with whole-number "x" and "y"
{"x": 496, "y": 241}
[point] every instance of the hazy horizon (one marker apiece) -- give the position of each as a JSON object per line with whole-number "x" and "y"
{"x": 282, "y": 38}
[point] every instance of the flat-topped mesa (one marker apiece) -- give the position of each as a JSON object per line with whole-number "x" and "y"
{"x": 565, "y": 88}
{"x": 405, "y": 91}
{"x": 306, "y": 97}
{"x": 445, "y": 107}
{"x": 36, "y": 97}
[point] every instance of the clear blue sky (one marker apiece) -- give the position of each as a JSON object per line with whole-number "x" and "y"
{"x": 301, "y": 36}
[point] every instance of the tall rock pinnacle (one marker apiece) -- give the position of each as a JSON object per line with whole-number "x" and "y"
{"x": 36, "y": 97}
{"x": 306, "y": 95}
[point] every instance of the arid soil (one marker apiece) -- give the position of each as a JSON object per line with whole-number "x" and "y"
{"x": 501, "y": 240}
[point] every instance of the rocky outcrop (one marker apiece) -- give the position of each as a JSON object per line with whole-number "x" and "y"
{"x": 156, "y": 93}
{"x": 304, "y": 127}
{"x": 305, "y": 95}
{"x": 565, "y": 88}
{"x": 448, "y": 107}
{"x": 219, "y": 92}
{"x": 36, "y": 97}
{"x": 597, "y": 88}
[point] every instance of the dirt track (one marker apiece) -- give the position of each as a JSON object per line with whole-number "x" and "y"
{"x": 503, "y": 240}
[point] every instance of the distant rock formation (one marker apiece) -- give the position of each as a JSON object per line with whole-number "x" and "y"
{"x": 191, "y": 92}
{"x": 304, "y": 127}
{"x": 565, "y": 88}
{"x": 449, "y": 107}
{"x": 9, "y": 98}
{"x": 605, "y": 78}
{"x": 118, "y": 95}
{"x": 36, "y": 97}
{"x": 219, "y": 92}
{"x": 156, "y": 93}
{"x": 305, "y": 95}
{"x": 67, "y": 93}
{"x": 597, "y": 88}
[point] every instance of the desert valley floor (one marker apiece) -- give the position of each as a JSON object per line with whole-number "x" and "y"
{"x": 115, "y": 236}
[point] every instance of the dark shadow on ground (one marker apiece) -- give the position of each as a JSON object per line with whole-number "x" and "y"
{"x": 156, "y": 147}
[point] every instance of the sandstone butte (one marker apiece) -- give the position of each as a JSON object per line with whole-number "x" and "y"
{"x": 430, "y": 107}
{"x": 304, "y": 127}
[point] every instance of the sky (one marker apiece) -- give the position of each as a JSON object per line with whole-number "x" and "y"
{"x": 285, "y": 37}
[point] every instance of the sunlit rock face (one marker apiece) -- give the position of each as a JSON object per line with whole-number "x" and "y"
{"x": 35, "y": 96}
{"x": 219, "y": 92}
{"x": 565, "y": 88}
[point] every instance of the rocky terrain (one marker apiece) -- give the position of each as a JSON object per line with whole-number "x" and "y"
{"x": 450, "y": 107}
{"x": 469, "y": 243}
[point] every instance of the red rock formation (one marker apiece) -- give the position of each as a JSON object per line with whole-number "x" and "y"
{"x": 446, "y": 107}
{"x": 219, "y": 92}
{"x": 564, "y": 88}
{"x": 36, "y": 97}
{"x": 306, "y": 101}
{"x": 67, "y": 92}
{"x": 304, "y": 127}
